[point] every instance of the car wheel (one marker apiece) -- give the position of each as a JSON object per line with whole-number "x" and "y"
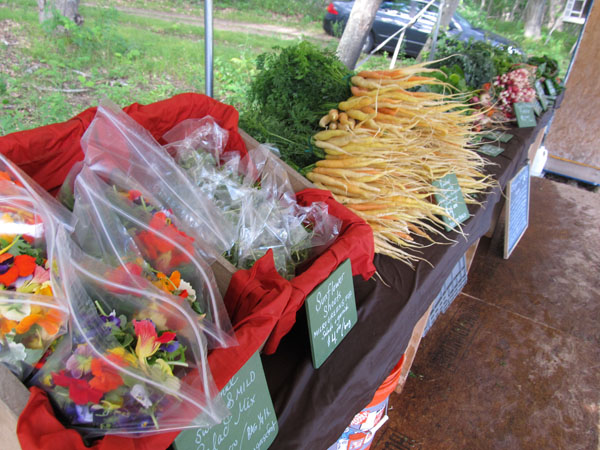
{"x": 368, "y": 43}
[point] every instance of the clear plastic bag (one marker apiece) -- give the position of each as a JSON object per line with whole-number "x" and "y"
{"x": 29, "y": 325}
{"x": 135, "y": 362}
{"x": 256, "y": 196}
{"x": 123, "y": 225}
{"x": 115, "y": 141}
{"x": 31, "y": 317}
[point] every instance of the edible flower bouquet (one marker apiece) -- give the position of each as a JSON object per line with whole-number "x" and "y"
{"x": 122, "y": 224}
{"x": 255, "y": 195}
{"x": 114, "y": 142}
{"x": 31, "y": 318}
{"x": 135, "y": 361}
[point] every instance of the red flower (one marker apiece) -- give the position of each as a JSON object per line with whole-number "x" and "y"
{"x": 134, "y": 195}
{"x": 123, "y": 275}
{"x": 106, "y": 378}
{"x": 79, "y": 390}
{"x": 18, "y": 266}
{"x": 160, "y": 246}
{"x": 148, "y": 341}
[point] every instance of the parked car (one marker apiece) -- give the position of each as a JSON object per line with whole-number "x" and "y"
{"x": 392, "y": 15}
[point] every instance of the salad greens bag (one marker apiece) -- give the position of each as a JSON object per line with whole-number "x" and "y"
{"x": 255, "y": 195}
{"x": 31, "y": 317}
{"x": 127, "y": 227}
{"x": 136, "y": 360}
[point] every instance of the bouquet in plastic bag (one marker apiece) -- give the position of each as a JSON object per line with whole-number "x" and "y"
{"x": 114, "y": 141}
{"x": 122, "y": 224}
{"x": 31, "y": 318}
{"x": 136, "y": 358}
{"x": 255, "y": 195}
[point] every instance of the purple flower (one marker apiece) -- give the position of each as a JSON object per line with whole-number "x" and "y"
{"x": 170, "y": 347}
{"x": 80, "y": 362}
{"x": 111, "y": 319}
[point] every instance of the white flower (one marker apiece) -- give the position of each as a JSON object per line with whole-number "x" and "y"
{"x": 15, "y": 311}
{"x": 185, "y": 286}
{"x": 139, "y": 393}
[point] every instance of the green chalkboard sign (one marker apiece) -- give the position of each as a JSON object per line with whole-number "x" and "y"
{"x": 498, "y": 136}
{"x": 537, "y": 108}
{"x": 541, "y": 95}
{"x": 252, "y": 423}
{"x": 331, "y": 312}
{"x": 525, "y": 114}
{"x": 450, "y": 197}
{"x": 491, "y": 150}
{"x": 550, "y": 87}
{"x": 517, "y": 210}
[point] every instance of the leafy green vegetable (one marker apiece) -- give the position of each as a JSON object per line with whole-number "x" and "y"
{"x": 293, "y": 89}
{"x": 479, "y": 61}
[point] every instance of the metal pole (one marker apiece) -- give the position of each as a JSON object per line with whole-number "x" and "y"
{"x": 208, "y": 47}
{"x": 436, "y": 30}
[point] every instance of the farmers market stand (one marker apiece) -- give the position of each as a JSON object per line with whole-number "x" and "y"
{"x": 314, "y": 407}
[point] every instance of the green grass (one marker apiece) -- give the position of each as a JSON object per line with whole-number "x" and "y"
{"x": 125, "y": 58}
{"x": 134, "y": 59}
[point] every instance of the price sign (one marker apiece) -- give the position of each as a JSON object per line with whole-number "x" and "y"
{"x": 517, "y": 210}
{"x": 541, "y": 94}
{"x": 550, "y": 87}
{"x": 331, "y": 313}
{"x": 537, "y": 108}
{"x": 491, "y": 150}
{"x": 450, "y": 197}
{"x": 252, "y": 423}
{"x": 498, "y": 136}
{"x": 525, "y": 115}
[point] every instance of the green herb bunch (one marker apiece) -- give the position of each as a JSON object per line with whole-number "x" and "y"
{"x": 480, "y": 61}
{"x": 294, "y": 87}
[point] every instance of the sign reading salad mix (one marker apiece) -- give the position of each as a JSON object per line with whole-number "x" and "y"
{"x": 331, "y": 312}
{"x": 252, "y": 423}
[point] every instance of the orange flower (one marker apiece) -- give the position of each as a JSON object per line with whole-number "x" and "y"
{"x": 15, "y": 267}
{"x": 169, "y": 284}
{"x": 49, "y": 319}
{"x": 6, "y": 177}
{"x": 106, "y": 378}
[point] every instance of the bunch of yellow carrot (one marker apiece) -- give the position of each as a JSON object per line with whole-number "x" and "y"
{"x": 386, "y": 145}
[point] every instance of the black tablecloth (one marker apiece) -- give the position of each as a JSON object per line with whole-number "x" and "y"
{"x": 315, "y": 406}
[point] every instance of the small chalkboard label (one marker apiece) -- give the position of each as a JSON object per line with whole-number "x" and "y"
{"x": 252, "y": 423}
{"x": 331, "y": 312}
{"x": 550, "y": 87}
{"x": 517, "y": 210}
{"x": 541, "y": 94}
{"x": 450, "y": 197}
{"x": 491, "y": 150}
{"x": 525, "y": 114}
{"x": 498, "y": 136}
{"x": 537, "y": 108}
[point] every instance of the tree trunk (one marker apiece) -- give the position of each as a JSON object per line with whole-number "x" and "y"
{"x": 358, "y": 26}
{"x": 68, "y": 8}
{"x": 555, "y": 13}
{"x": 513, "y": 11}
{"x": 449, "y": 10}
{"x": 534, "y": 16}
